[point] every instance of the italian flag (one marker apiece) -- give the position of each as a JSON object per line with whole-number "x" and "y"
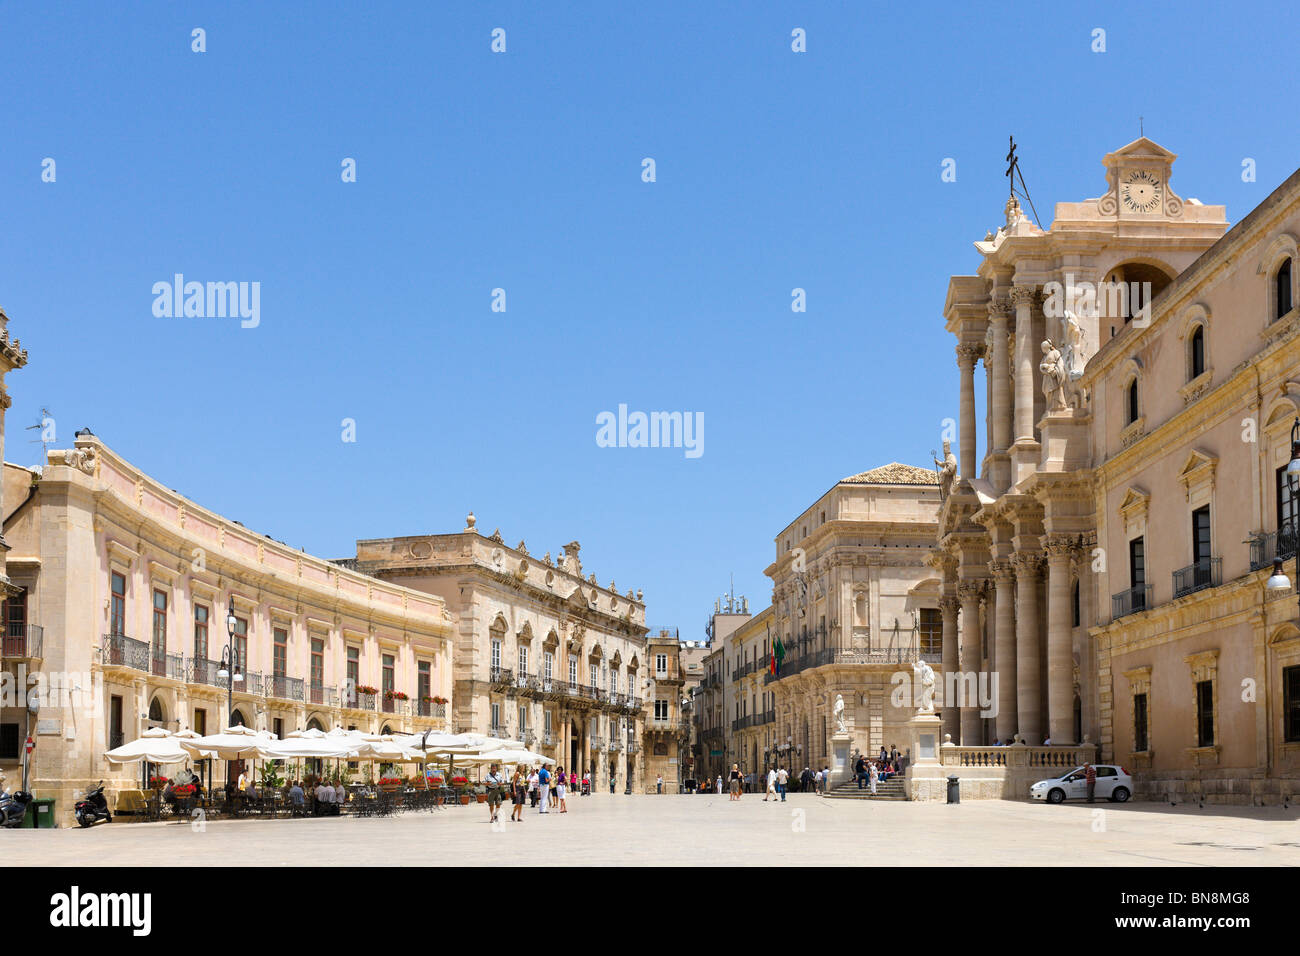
{"x": 778, "y": 655}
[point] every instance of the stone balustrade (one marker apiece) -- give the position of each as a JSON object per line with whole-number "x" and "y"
{"x": 999, "y": 773}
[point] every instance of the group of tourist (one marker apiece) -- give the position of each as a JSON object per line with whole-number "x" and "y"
{"x": 540, "y": 787}
{"x": 327, "y": 799}
{"x": 776, "y": 782}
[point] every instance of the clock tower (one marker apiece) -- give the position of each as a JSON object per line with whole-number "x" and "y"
{"x": 1138, "y": 177}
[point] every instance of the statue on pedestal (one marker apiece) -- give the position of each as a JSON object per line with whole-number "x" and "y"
{"x": 923, "y": 674}
{"x": 838, "y": 713}
{"x": 947, "y": 470}
{"x": 1054, "y": 377}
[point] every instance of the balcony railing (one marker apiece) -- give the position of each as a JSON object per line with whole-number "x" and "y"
{"x": 23, "y": 640}
{"x": 284, "y": 688}
{"x": 633, "y": 747}
{"x": 597, "y": 743}
{"x": 498, "y": 730}
{"x": 253, "y": 684}
{"x": 615, "y": 745}
{"x": 317, "y": 693}
{"x": 1130, "y": 601}
{"x": 1205, "y": 573}
{"x": 203, "y": 671}
{"x": 1268, "y": 546}
{"x": 366, "y": 701}
{"x": 430, "y": 709}
{"x": 501, "y": 675}
{"x": 118, "y": 650}
{"x": 548, "y": 740}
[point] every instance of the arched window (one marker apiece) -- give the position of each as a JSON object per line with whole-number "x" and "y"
{"x": 1196, "y": 353}
{"x": 1282, "y": 288}
{"x": 156, "y": 711}
{"x": 1131, "y": 402}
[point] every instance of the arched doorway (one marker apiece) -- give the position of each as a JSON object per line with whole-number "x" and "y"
{"x": 157, "y": 716}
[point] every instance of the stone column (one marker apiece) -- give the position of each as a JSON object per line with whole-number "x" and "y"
{"x": 1030, "y": 720}
{"x": 951, "y": 715}
{"x": 970, "y": 664}
{"x": 967, "y": 356}
{"x": 999, "y": 315}
{"x": 1022, "y": 297}
{"x": 1060, "y": 656}
{"x": 1004, "y": 643}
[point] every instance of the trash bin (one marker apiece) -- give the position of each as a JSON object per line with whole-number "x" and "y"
{"x": 40, "y": 814}
{"x": 954, "y": 789}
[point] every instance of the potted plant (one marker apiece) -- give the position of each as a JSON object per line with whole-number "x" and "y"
{"x": 395, "y": 695}
{"x": 390, "y": 784}
{"x": 158, "y": 782}
{"x": 461, "y": 785}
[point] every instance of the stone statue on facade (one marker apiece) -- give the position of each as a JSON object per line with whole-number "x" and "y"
{"x": 947, "y": 470}
{"x": 923, "y": 675}
{"x": 1054, "y": 377}
{"x": 1074, "y": 343}
{"x": 838, "y": 713}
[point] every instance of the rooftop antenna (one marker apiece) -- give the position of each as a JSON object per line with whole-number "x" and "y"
{"x": 1141, "y": 130}
{"x": 46, "y": 427}
{"x": 1013, "y": 171}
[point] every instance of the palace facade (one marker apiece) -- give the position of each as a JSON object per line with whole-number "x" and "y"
{"x": 130, "y": 585}
{"x": 540, "y": 651}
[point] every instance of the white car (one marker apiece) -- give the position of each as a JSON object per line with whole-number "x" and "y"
{"x": 1113, "y": 783}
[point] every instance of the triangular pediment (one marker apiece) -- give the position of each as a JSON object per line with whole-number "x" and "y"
{"x": 1135, "y": 500}
{"x": 1140, "y": 148}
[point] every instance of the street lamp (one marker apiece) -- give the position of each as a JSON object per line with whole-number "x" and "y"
{"x": 1278, "y": 581}
{"x": 229, "y": 670}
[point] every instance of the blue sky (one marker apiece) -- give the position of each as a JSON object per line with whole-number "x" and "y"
{"x": 522, "y": 171}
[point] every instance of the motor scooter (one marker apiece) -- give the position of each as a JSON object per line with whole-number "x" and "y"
{"x": 13, "y": 807}
{"x": 93, "y": 808}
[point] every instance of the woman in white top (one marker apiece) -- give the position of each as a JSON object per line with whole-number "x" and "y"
{"x": 560, "y": 791}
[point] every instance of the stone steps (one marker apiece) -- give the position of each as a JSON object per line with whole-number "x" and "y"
{"x": 891, "y": 789}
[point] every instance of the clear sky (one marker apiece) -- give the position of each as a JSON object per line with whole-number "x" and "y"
{"x": 522, "y": 171}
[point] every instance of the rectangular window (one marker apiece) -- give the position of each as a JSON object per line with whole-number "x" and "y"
{"x": 1291, "y": 703}
{"x": 389, "y": 678}
{"x": 200, "y": 632}
{"x": 661, "y": 709}
{"x": 573, "y": 671}
{"x": 10, "y": 748}
{"x": 354, "y": 673}
{"x": 1140, "y": 738}
{"x": 548, "y": 723}
{"x": 523, "y": 660}
{"x": 496, "y": 655}
{"x": 1137, "y": 572}
{"x": 160, "y": 632}
{"x": 496, "y": 715}
{"x": 548, "y": 666}
{"x": 117, "y": 605}
{"x": 1286, "y": 506}
{"x": 424, "y": 680}
{"x": 1201, "y": 537}
{"x": 931, "y": 631}
{"x": 661, "y": 665}
{"x": 317, "y": 662}
{"x": 241, "y": 644}
{"x": 1205, "y": 713}
{"x": 280, "y": 652}
{"x": 523, "y": 718}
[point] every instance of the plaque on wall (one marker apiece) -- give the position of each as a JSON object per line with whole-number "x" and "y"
{"x": 49, "y": 725}
{"x": 926, "y": 745}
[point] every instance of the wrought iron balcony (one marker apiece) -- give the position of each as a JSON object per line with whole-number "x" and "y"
{"x": 501, "y": 676}
{"x": 253, "y": 684}
{"x": 284, "y": 688}
{"x": 1205, "y": 573}
{"x": 23, "y": 641}
{"x": 1270, "y": 545}
{"x": 166, "y": 665}
{"x": 367, "y": 701}
{"x": 615, "y": 745}
{"x": 633, "y": 746}
{"x": 118, "y": 650}
{"x": 317, "y": 692}
{"x": 548, "y": 740}
{"x": 498, "y": 730}
{"x": 429, "y": 708}
{"x": 1130, "y": 601}
{"x": 597, "y": 743}
{"x": 202, "y": 671}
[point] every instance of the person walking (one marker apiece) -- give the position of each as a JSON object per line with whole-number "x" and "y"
{"x": 719, "y": 785}
{"x": 519, "y": 786}
{"x": 873, "y": 774}
{"x": 560, "y": 791}
{"x": 782, "y": 778}
{"x": 734, "y": 782}
{"x": 1090, "y": 775}
{"x": 771, "y": 785}
{"x": 532, "y": 789}
{"x": 494, "y": 781}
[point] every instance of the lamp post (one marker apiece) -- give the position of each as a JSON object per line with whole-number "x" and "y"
{"x": 1278, "y": 581}
{"x": 229, "y": 670}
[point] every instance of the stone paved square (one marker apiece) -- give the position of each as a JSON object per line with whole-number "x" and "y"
{"x": 673, "y": 830}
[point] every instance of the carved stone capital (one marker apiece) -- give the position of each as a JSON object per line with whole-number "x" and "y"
{"x": 949, "y": 604}
{"x": 1060, "y": 545}
{"x": 968, "y": 355}
{"x": 1023, "y": 295}
{"x": 1028, "y": 564}
{"x": 1003, "y": 571}
{"x": 1000, "y": 309}
{"x": 970, "y": 590}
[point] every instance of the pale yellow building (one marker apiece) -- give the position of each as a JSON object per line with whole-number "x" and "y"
{"x": 540, "y": 652}
{"x": 131, "y": 584}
